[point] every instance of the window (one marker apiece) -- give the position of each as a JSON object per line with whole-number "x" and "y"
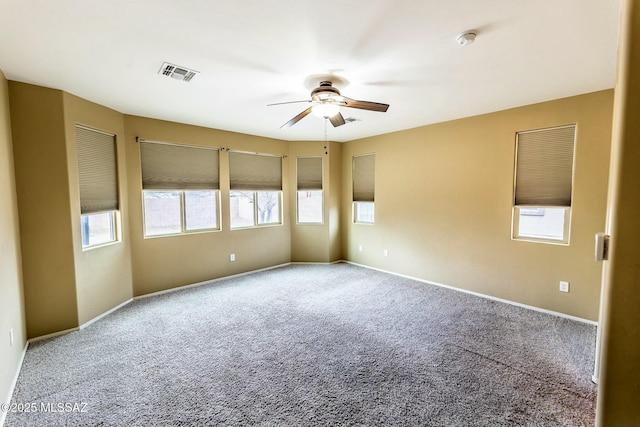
{"x": 363, "y": 188}
{"x": 98, "y": 229}
{"x": 98, "y": 181}
{"x": 176, "y": 212}
{"x": 201, "y": 210}
{"x": 249, "y": 208}
{"x": 256, "y": 189}
{"x": 180, "y": 188}
{"x": 309, "y": 186}
{"x": 363, "y": 212}
{"x": 543, "y": 184}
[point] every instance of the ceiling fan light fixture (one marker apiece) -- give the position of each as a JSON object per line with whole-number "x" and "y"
{"x": 327, "y": 101}
{"x": 325, "y": 110}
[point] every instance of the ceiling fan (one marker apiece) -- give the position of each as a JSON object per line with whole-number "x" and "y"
{"x": 327, "y": 101}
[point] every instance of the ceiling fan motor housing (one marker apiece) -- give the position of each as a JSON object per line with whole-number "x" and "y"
{"x": 324, "y": 92}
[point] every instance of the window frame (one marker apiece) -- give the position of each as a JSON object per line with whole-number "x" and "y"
{"x": 568, "y": 210}
{"x": 179, "y": 168}
{"x": 183, "y": 214}
{"x": 354, "y": 212}
{"x": 321, "y": 222}
{"x": 115, "y": 224}
{"x": 256, "y": 214}
{"x": 535, "y": 239}
{"x": 310, "y": 178}
{"x": 363, "y": 190}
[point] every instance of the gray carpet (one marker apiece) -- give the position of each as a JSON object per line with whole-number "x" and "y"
{"x": 314, "y": 345}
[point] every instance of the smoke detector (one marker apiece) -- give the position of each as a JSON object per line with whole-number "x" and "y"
{"x": 466, "y": 38}
{"x": 177, "y": 72}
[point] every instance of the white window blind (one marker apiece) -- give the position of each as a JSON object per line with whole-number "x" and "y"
{"x": 544, "y": 167}
{"x": 178, "y": 167}
{"x": 249, "y": 171}
{"x": 97, "y": 171}
{"x": 309, "y": 173}
{"x": 364, "y": 178}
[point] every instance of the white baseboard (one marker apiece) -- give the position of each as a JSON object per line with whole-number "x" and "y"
{"x": 206, "y": 282}
{"x": 119, "y": 306}
{"x": 315, "y": 263}
{"x": 106, "y": 313}
{"x": 3, "y": 414}
{"x": 478, "y": 294}
{"x": 53, "y": 335}
{"x": 84, "y": 325}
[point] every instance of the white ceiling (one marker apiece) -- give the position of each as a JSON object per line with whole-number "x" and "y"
{"x": 254, "y": 52}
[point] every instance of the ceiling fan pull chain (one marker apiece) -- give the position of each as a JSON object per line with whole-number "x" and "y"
{"x": 326, "y": 142}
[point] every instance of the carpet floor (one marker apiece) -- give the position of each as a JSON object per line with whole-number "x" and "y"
{"x": 313, "y": 345}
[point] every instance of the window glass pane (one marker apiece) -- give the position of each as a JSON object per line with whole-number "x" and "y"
{"x": 541, "y": 223}
{"x": 241, "y": 205}
{"x": 364, "y": 212}
{"x": 200, "y": 210}
{"x": 98, "y": 229}
{"x": 310, "y": 206}
{"x": 161, "y": 212}
{"x": 268, "y": 207}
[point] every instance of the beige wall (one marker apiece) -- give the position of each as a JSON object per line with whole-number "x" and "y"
{"x": 443, "y": 206}
{"x": 11, "y": 300}
{"x": 103, "y": 274}
{"x": 619, "y": 386}
{"x": 334, "y": 200}
{"x": 443, "y": 211}
{"x": 162, "y": 263}
{"x": 310, "y": 242}
{"x": 64, "y": 286}
{"x": 46, "y": 229}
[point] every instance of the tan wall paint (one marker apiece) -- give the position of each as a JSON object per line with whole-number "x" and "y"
{"x": 335, "y": 201}
{"x": 309, "y": 242}
{"x": 11, "y": 300}
{"x": 619, "y": 386}
{"x": 166, "y": 262}
{"x": 46, "y": 231}
{"x": 318, "y": 242}
{"x": 103, "y": 274}
{"x": 443, "y": 210}
{"x": 444, "y": 200}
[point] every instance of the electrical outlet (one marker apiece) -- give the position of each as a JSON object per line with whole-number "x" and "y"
{"x": 11, "y": 337}
{"x": 564, "y": 286}
{"x": 385, "y": 252}
{"x": 232, "y": 257}
{"x": 360, "y": 248}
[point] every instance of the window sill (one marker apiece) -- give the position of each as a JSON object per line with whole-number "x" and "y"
{"x": 101, "y": 245}
{"x": 185, "y": 233}
{"x": 253, "y": 227}
{"x": 540, "y": 240}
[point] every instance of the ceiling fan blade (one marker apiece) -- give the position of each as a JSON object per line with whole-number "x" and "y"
{"x": 337, "y": 120}
{"x": 296, "y": 119}
{"x": 290, "y": 102}
{"x": 366, "y": 105}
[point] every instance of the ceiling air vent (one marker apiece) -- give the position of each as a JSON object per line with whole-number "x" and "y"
{"x": 177, "y": 72}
